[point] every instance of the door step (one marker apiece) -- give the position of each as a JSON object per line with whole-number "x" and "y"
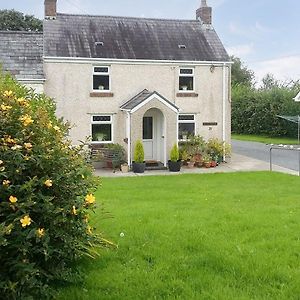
{"x": 153, "y": 165}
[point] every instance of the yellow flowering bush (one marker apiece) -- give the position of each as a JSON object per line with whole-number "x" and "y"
{"x": 46, "y": 193}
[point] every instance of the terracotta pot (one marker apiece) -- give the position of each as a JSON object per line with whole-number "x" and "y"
{"x": 207, "y": 165}
{"x": 213, "y": 164}
{"x": 125, "y": 168}
{"x": 190, "y": 164}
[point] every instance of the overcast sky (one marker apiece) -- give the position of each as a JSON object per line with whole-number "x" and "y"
{"x": 263, "y": 33}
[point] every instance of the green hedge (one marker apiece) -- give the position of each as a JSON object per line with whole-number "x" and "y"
{"x": 254, "y": 110}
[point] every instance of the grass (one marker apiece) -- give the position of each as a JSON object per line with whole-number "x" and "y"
{"x": 216, "y": 236}
{"x": 264, "y": 139}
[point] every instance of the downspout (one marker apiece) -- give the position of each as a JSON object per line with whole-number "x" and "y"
{"x": 224, "y": 111}
{"x": 129, "y": 138}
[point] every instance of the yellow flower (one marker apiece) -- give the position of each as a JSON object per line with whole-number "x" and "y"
{"x": 40, "y": 232}
{"x": 28, "y": 146}
{"x": 16, "y": 147}
{"x": 22, "y": 102}
{"x": 74, "y": 211}
{"x": 26, "y": 221}
{"x": 1, "y": 162}
{"x": 13, "y": 199}
{"x": 5, "y": 107}
{"x": 49, "y": 125}
{"x": 9, "y": 140}
{"x": 7, "y": 93}
{"x": 90, "y": 199}
{"x": 26, "y": 157}
{"x": 48, "y": 183}
{"x": 56, "y": 128}
{"x": 89, "y": 230}
{"x": 6, "y": 182}
{"x": 27, "y": 120}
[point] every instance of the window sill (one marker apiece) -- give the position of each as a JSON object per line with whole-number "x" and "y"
{"x": 101, "y": 94}
{"x": 187, "y": 94}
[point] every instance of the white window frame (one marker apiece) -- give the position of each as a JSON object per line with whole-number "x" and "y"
{"x": 186, "y": 122}
{"x": 186, "y": 75}
{"x": 102, "y": 122}
{"x": 102, "y": 73}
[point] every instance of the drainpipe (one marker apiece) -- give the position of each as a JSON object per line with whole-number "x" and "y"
{"x": 129, "y": 138}
{"x": 224, "y": 110}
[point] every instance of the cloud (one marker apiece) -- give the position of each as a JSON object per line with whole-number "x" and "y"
{"x": 283, "y": 68}
{"x": 252, "y": 31}
{"x": 240, "y": 50}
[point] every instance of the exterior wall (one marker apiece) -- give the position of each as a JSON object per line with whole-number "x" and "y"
{"x": 38, "y": 87}
{"x": 70, "y": 83}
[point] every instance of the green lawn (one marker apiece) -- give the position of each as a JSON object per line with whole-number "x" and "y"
{"x": 264, "y": 139}
{"x": 216, "y": 236}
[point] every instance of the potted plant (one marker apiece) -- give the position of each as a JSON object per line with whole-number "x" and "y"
{"x": 184, "y": 135}
{"x": 124, "y": 168}
{"x": 206, "y": 160}
{"x": 191, "y": 162}
{"x": 174, "y": 163}
{"x": 138, "y": 165}
{"x": 184, "y": 157}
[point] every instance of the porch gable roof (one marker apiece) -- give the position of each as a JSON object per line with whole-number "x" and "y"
{"x": 143, "y": 98}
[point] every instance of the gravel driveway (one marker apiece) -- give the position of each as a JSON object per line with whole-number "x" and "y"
{"x": 286, "y": 159}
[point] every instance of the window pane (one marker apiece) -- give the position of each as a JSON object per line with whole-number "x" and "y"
{"x": 101, "y": 132}
{"x": 147, "y": 128}
{"x": 101, "y": 82}
{"x": 187, "y": 117}
{"x": 101, "y": 69}
{"x": 186, "y": 83}
{"x": 186, "y": 71}
{"x": 186, "y": 129}
{"x": 101, "y": 118}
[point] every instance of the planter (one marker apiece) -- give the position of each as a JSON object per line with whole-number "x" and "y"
{"x": 98, "y": 164}
{"x": 207, "y": 164}
{"x": 190, "y": 164}
{"x": 125, "y": 168}
{"x": 174, "y": 166}
{"x": 213, "y": 164}
{"x": 138, "y": 167}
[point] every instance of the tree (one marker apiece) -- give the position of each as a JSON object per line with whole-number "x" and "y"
{"x": 269, "y": 82}
{"x": 15, "y": 20}
{"x": 240, "y": 74}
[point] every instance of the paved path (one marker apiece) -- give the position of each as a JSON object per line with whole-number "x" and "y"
{"x": 260, "y": 151}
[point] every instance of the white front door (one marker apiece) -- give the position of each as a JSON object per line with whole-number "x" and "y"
{"x": 153, "y": 135}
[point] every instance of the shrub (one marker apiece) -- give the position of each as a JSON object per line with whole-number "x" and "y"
{"x": 174, "y": 154}
{"x": 139, "y": 154}
{"x": 46, "y": 193}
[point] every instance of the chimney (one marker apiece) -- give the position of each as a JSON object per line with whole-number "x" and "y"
{"x": 204, "y": 13}
{"x": 50, "y": 9}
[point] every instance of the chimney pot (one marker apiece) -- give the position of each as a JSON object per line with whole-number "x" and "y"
{"x": 204, "y": 13}
{"x": 50, "y": 9}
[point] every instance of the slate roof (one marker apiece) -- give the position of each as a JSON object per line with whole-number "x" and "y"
{"x": 131, "y": 38}
{"x": 21, "y": 54}
{"x": 140, "y": 98}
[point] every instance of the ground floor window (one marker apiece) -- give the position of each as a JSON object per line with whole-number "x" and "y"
{"x": 186, "y": 126}
{"x": 102, "y": 128}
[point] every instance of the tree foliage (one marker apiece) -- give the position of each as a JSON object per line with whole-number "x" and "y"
{"x": 46, "y": 194}
{"x": 15, "y": 20}
{"x": 240, "y": 74}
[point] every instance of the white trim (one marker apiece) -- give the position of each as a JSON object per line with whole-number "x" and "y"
{"x": 155, "y": 95}
{"x": 186, "y": 122}
{"x": 101, "y": 74}
{"x": 129, "y": 138}
{"x": 165, "y": 139}
{"x": 132, "y": 61}
{"x": 111, "y": 122}
{"x": 186, "y": 75}
{"x": 224, "y": 110}
{"x": 31, "y": 80}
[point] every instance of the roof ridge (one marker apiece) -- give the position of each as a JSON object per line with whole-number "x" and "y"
{"x": 128, "y": 17}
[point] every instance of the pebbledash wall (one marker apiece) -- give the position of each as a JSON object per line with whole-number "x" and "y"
{"x": 69, "y": 82}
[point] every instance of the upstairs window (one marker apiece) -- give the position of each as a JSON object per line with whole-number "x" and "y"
{"x": 101, "y": 80}
{"x": 186, "y": 79}
{"x": 186, "y": 127}
{"x": 102, "y": 129}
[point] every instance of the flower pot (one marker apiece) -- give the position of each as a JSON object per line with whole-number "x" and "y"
{"x": 125, "y": 168}
{"x": 213, "y": 164}
{"x": 174, "y": 166}
{"x": 207, "y": 164}
{"x": 190, "y": 164}
{"x": 138, "y": 167}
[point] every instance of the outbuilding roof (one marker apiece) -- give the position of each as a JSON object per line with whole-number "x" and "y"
{"x": 21, "y": 54}
{"x": 131, "y": 38}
